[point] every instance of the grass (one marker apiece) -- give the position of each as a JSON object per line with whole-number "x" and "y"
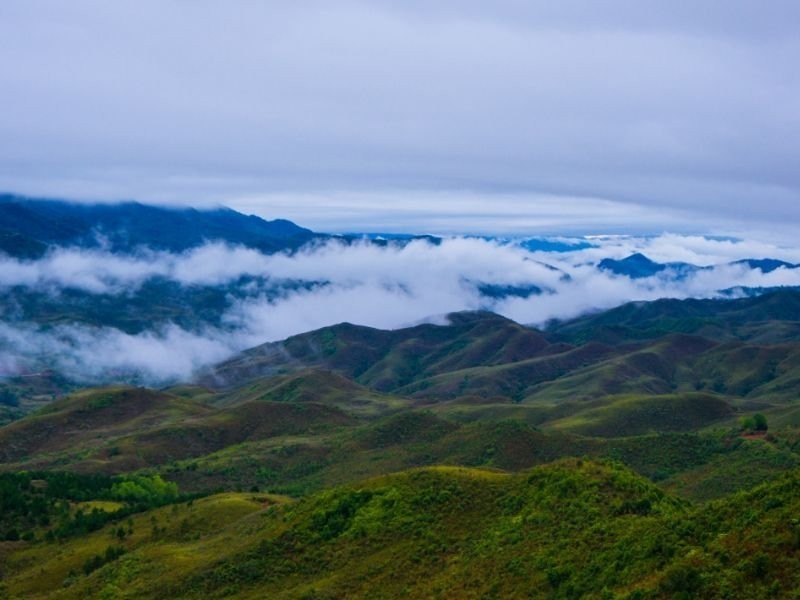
{"x": 636, "y": 415}
{"x": 505, "y": 447}
{"x": 572, "y": 528}
{"x": 170, "y": 540}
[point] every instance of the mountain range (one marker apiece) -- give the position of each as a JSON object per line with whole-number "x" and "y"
{"x": 28, "y": 227}
{"x": 638, "y": 266}
{"x": 650, "y": 450}
{"x": 361, "y": 462}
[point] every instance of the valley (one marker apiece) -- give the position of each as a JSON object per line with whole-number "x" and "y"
{"x": 357, "y": 461}
{"x": 152, "y": 445}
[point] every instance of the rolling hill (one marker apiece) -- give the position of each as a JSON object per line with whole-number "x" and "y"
{"x": 603, "y": 457}
{"x": 569, "y": 529}
{"x": 740, "y": 349}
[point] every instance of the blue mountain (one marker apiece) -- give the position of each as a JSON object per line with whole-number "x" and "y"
{"x": 29, "y": 226}
{"x": 766, "y": 265}
{"x": 638, "y": 266}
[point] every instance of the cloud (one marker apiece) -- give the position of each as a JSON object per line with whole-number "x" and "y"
{"x": 654, "y": 109}
{"x": 381, "y": 286}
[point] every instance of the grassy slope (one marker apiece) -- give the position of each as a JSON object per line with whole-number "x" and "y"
{"x": 569, "y": 529}
{"x": 294, "y": 434}
{"x": 752, "y": 352}
{"x": 635, "y": 415}
{"x": 388, "y": 360}
{"x": 177, "y": 537}
{"x": 316, "y": 386}
{"x": 769, "y": 318}
{"x": 89, "y": 418}
{"x": 123, "y": 429}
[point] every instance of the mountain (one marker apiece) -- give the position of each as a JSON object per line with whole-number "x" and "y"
{"x": 345, "y": 401}
{"x": 770, "y": 317}
{"x": 743, "y": 349}
{"x": 766, "y": 265}
{"x": 389, "y": 360}
{"x": 29, "y": 226}
{"x": 638, "y": 266}
{"x": 615, "y": 455}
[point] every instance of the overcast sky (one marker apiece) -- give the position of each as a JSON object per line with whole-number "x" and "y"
{"x": 450, "y": 116}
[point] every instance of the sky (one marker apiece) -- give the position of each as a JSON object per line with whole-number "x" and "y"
{"x": 429, "y": 116}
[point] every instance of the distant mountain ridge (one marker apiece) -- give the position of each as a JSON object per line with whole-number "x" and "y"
{"x": 639, "y": 266}
{"x": 29, "y": 226}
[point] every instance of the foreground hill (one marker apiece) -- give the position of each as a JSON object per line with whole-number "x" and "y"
{"x": 306, "y": 431}
{"x": 115, "y": 430}
{"x": 565, "y": 530}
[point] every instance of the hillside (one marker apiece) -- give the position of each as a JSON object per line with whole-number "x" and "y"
{"x": 29, "y": 226}
{"x": 389, "y": 360}
{"x": 740, "y": 349}
{"x": 295, "y": 416}
{"x": 768, "y": 318}
{"x": 479, "y": 457}
{"x": 569, "y": 529}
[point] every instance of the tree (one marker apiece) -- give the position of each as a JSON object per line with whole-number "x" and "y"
{"x": 756, "y": 422}
{"x": 760, "y": 422}
{"x": 747, "y": 423}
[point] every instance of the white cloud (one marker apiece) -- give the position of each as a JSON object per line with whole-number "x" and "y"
{"x": 385, "y": 287}
{"x": 650, "y": 107}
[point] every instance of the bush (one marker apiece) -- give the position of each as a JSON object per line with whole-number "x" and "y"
{"x": 760, "y": 422}
{"x": 146, "y": 490}
{"x": 98, "y": 560}
{"x": 756, "y": 422}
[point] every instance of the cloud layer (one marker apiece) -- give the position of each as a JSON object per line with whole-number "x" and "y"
{"x": 518, "y": 105}
{"x": 387, "y": 287}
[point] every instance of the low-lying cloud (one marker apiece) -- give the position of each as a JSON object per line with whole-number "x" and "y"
{"x": 381, "y": 286}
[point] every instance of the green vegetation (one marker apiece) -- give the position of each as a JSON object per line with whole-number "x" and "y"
{"x": 573, "y": 528}
{"x": 609, "y": 457}
{"x": 57, "y": 505}
{"x": 755, "y": 423}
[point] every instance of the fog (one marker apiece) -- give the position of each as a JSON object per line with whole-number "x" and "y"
{"x": 380, "y": 286}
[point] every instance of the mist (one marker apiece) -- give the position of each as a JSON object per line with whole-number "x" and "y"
{"x": 389, "y": 286}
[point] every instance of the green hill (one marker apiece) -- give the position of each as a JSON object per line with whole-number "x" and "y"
{"x": 90, "y": 418}
{"x": 751, "y": 352}
{"x": 388, "y": 360}
{"x": 480, "y": 459}
{"x": 568, "y": 529}
{"x": 771, "y": 317}
{"x": 634, "y": 415}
